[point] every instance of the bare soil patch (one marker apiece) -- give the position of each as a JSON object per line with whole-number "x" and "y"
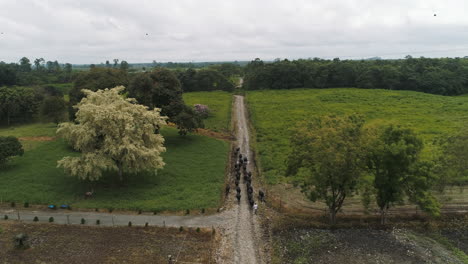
{"x": 51, "y": 243}
{"x": 213, "y": 134}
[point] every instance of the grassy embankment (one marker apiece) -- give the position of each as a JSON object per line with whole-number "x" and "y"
{"x": 275, "y": 112}
{"x": 192, "y": 178}
{"x": 220, "y": 105}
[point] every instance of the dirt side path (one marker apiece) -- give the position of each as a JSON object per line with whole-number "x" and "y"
{"x": 242, "y": 243}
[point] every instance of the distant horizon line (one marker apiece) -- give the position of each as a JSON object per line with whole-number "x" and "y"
{"x": 266, "y": 60}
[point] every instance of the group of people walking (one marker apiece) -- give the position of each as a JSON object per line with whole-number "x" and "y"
{"x": 240, "y": 169}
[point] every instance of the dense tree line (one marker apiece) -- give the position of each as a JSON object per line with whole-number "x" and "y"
{"x": 159, "y": 88}
{"x": 25, "y": 104}
{"x": 446, "y": 76}
{"x": 38, "y": 72}
{"x": 206, "y": 80}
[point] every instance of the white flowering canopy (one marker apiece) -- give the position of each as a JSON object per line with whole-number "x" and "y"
{"x": 112, "y": 133}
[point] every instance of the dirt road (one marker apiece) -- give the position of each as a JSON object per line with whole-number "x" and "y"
{"x": 242, "y": 241}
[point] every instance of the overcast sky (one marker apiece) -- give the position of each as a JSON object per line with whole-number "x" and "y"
{"x": 92, "y": 31}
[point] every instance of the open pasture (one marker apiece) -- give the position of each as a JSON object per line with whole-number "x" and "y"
{"x": 192, "y": 178}
{"x": 275, "y": 112}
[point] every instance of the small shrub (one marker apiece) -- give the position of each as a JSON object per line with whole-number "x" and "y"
{"x": 146, "y": 224}
{"x": 198, "y": 230}
{"x": 83, "y": 221}
{"x": 181, "y": 229}
{"x": 12, "y": 204}
{"x": 130, "y": 223}
{"x": 36, "y": 219}
{"x": 5, "y": 217}
{"x": 155, "y": 212}
{"x": 96, "y": 210}
{"x": 51, "y": 219}
{"x": 21, "y": 241}
{"x": 26, "y": 204}
{"x": 98, "y": 222}
{"x": 187, "y": 212}
{"x": 203, "y": 210}
{"x": 213, "y": 232}
{"x": 111, "y": 209}
{"x": 139, "y": 211}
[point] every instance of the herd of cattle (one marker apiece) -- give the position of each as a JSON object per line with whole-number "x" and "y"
{"x": 240, "y": 168}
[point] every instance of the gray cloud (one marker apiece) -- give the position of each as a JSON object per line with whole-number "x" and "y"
{"x": 91, "y": 31}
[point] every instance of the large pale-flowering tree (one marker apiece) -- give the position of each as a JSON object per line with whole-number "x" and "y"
{"x": 112, "y": 133}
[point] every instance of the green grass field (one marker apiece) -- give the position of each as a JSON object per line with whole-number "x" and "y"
{"x": 220, "y": 105}
{"x": 192, "y": 178}
{"x": 273, "y": 113}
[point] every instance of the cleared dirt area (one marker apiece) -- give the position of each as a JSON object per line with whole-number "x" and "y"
{"x": 51, "y": 243}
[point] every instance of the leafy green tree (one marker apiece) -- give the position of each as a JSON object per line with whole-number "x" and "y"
{"x": 95, "y": 79}
{"x": 7, "y": 74}
{"x": 124, "y": 65}
{"x": 54, "y": 109}
{"x": 38, "y": 63}
{"x": 394, "y": 160}
{"x": 68, "y": 68}
{"x": 9, "y": 147}
{"x": 25, "y": 65}
{"x": 161, "y": 88}
{"x": 188, "y": 121}
{"x": 17, "y": 104}
{"x": 112, "y": 133}
{"x": 327, "y": 158}
{"x": 50, "y": 66}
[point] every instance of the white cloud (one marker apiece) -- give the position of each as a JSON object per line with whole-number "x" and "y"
{"x": 92, "y": 31}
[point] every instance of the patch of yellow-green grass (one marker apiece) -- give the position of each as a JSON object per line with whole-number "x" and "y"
{"x": 219, "y": 103}
{"x": 275, "y": 112}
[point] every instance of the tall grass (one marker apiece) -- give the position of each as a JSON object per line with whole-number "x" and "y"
{"x": 274, "y": 112}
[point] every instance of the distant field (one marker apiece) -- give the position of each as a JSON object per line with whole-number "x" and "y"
{"x": 274, "y": 112}
{"x": 192, "y": 179}
{"x": 220, "y": 104}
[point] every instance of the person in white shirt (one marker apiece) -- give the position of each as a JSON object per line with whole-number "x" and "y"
{"x": 255, "y": 207}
